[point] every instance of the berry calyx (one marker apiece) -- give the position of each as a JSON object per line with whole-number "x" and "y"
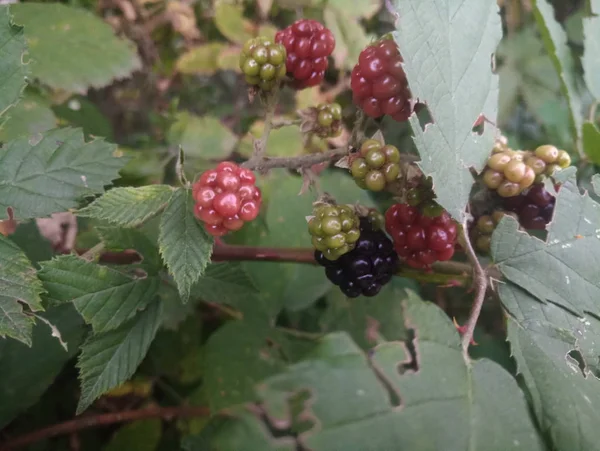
{"x": 225, "y": 198}
{"x": 379, "y": 84}
{"x": 366, "y": 268}
{"x": 334, "y": 229}
{"x": 377, "y": 166}
{"x": 263, "y": 63}
{"x": 420, "y": 239}
{"x": 308, "y": 45}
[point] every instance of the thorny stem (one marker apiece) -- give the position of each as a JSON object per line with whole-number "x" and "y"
{"x": 106, "y": 419}
{"x": 480, "y": 284}
{"x": 303, "y": 161}
{"x": 260, "y": 144}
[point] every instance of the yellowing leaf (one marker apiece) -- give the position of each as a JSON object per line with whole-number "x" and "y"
{"x": 200, "y": 60}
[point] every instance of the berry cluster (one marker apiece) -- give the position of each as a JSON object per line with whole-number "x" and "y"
{"x": 365, "y": 269}
{"x": 421, "y": 236}
{"x": 510, "y": 172}
{"x": 483, "y": 228}
{"x": 377, "y": 166}
{"x": 379, "y": 84}
{"x": 263, "y": 63}
{"x": 334, "y": 230}
{"x": 226, "y": 197}
{"x": 328, "y": 120}
{"x": 308, "y": 44}
{"x": 534, "y": 207}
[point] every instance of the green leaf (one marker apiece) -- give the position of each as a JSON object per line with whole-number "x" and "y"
{"x": 129, "y": 207}
{"x": 12, "y": 54}
{"x": 225, "y": 283}
{"x": 591, "y": 141}
{"x": 238, "y": 356}
{"x": 141, "y": 435}
{"x": 18, "y": 285}
{"x": 27, "y": 372}
{"x": 30, "y": 116}
{"x": 32, "y": 243}
{"x": 183, "y": 242}
{"x": 230, "y": 21}
{"x": 108, "y": 359}
{"x": 106, "y": 298}
{"x": 118, "y": 239}
{"x": 543, "y": 339}
{"x": 282, "y": 142}
{"x": 391, "y": 397}
{"x": 562, "y": 269}
{"x": 202, "y": 137}
{"x": 49, "y": 176}
{"x": 79, "y": 111}
{"x": 449, "y": 69}
{"x": 356, "y": 8}
{"x": 555, "y": 41}
{"x": 72, "y": 49}
{"x": 201, "y": 59}
{"x": 350, "y": 37}
{"x": 591, "y": 54}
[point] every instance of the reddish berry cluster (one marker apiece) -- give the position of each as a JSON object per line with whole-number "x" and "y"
{"x": 308, "y": 44}
{"x": 226, "y": 197}
{"x": 534, "y": 207}
{"x": 421, "y": 239}
{"x": 379, "y": 84}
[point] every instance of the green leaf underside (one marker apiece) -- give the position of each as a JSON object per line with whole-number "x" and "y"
{"x": 184, "y": 245}
{"x": 202, "y": 137}
{"x": 12, "y": 67}
{"x": 106, "y": 298}
{"x": 18, "y": 285}
{"x": 362, "y": 413}
{"x": 563, "y": 269}
{"x": 591, "y": 141}
{"x": 49, "y": 176}
{"x": 541, "y": 337}
{"x": 72, "y": 49}
{"x": 110, "y": 358}
{"x": 447, "y": 48}
{"x": 129, "y": 207}
{"x": 27, "y": 372}
{"x": 591, "y": 54}
{"x": 555, "y": 41}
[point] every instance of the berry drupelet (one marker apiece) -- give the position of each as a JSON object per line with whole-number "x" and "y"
{"x": 263, "y": 63}
{"x": 379, "y": 84}
{"x": 226, "y": 197}
{"x": 334, "y": 229}
{"x": 365, "y": 269}
{"x": 308, "y": 44}
{"x": 534, "y": 207}
{"x": 421, "y": 236}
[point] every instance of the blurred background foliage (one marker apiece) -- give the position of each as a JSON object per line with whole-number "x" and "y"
{"x": 187, "y": 89}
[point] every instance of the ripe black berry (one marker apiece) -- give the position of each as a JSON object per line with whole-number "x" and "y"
{"x": 365, "y": 269}
{"x": 534, "y": 207}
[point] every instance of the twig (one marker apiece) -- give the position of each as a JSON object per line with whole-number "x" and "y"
{"x": 260, "y": 144}
{"x": 304, "y": 161}
{"x": 92, "y": 421}
{"x": 480, "y": 284}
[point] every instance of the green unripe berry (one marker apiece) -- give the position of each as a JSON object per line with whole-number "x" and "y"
{"x": 414, "y": 197}
{"x": 484, "y": 243}
{"x": 499, "y": 161}
{"x": 392, "y": 155}
{"x": 347, "y": 221}
{"x": 527, "y": 179}
{"x": 564, "y": 159}
{"x": 314, "y": 227}
{"x": 552, "y": 169}
{"x": 368, "y": 145}
{"x": 485, "y": 225}
{"x": 251, "y": 67}
{"x": 335, "y": 241}
{"x": 359, "y": 168}
{"x": 267, "y": 72}
{"x": 376, "y": 219}
{"x": 375, "y": 158}
{"x": 537, "y": 164}
{"x": 515, "y": 171}
{"x": 391, "y": 171}
{"x": 508, "y": 189}
{"x": 352, "y": 236}
{"x": 548, "y": 153}
{"x": 261, "y": 55}
{"x": 431, "y": 209}
{"x": 325, "y": 118}
{"x": 266, "y": 85}
{"x": 334, "y": 254}
{"x": 319, "y": 244}
{"x": 492, "y": 178}
{"x": 375, "y": 181}
{"x": 336, "y": 111}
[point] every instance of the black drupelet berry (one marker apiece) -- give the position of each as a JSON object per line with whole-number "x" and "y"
{"x": 365, "y": 269}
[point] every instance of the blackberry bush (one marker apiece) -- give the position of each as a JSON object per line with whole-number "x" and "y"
{"x": 366, "y": 268}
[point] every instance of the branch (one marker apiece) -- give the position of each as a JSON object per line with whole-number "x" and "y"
{"x": 303, "y": 161}
{"x": 106, "y": 419}
{"x": 480, "y": 284}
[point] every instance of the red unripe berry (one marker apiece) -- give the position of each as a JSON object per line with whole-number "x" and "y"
{"x": 308, "y": 44}
{"x": 226, "y": 197}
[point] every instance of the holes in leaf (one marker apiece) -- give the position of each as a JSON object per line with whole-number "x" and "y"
{"x": 575, "y": 356}
{"x": 410, "y": 345}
